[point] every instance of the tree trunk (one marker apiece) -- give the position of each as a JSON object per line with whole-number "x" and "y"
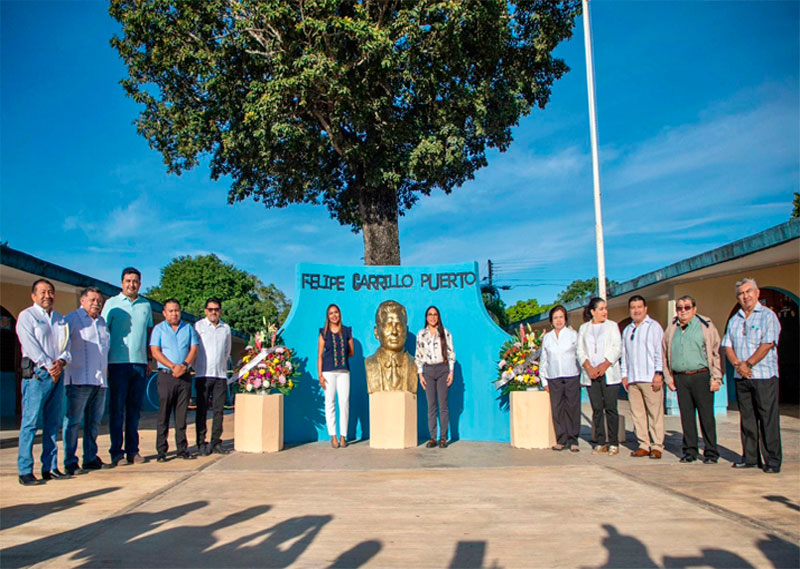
{"x": 379, "y": 226}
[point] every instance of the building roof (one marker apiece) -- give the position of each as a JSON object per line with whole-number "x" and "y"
{"x": 776, "y": 246}
{"x": 18, "y": 267}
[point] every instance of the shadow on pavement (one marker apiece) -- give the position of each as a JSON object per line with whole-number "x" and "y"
{"x": 138, "y": 539}
{"x": 23, "y": 513}
{"x": 357, "y": 555}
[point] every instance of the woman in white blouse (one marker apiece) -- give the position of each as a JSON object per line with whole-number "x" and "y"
{"x": 559, "y": 372}
{"x": 435, "y": 359}
{"x": 599, "y": 350}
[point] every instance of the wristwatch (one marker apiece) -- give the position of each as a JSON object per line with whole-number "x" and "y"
{"x": 748, "y": 364}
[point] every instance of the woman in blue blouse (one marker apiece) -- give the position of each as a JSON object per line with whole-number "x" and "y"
{"x": 335, "y": 346}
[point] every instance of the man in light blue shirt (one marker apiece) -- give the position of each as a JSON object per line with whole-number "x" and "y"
{"x": 174, "y": 346}
{"x": 751, "y": 345}
{"x": 44, "y": 336}
{"x": 86, "y": 381}
{"x": 128, "y": 316}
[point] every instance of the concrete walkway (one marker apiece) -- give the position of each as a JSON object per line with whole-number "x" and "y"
{"x": 470, "y": 505}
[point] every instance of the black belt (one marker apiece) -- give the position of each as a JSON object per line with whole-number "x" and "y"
{"x": 695, "y": 372}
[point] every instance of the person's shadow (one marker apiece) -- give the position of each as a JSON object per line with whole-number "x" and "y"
{"x": 359, "y": 397}
{"x": 304, "y": 408}
{"x": 17, "y": 515}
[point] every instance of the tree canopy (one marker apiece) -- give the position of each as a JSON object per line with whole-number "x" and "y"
{"x": 245, "y": 300}
{"x": 525, "y": 309}
{"x": 495, "y": 305}
{"x": 580, "y": 289}
{"x": 361, "y": 106}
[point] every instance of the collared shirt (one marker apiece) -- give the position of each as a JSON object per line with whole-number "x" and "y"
{"x": 128, "y": 322}
{"x": 44, "y": 337}
{"x": 214, "y": 349}
{"x": 745, "y": 335}
{"x": 595, "y": 343}
{"x": 174, "y": 344}
{"x": 429, "y": 349}
{"x": 688, "y": 348}
{"x": 641, "y": 351}
{"x": 559, "y": 355}
{"x": 89, "y": 342}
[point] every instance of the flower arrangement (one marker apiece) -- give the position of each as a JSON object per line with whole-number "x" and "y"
{"x": 518, "y": 368}
{"x": 265, "y": 370}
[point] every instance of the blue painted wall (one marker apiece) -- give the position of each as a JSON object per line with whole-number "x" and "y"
{"x": 476, "y": 413}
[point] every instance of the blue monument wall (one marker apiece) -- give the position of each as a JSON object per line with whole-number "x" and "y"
{"x": 476, "y": 411}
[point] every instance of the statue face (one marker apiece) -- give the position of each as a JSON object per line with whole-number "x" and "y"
{"x": 390, "y": 328}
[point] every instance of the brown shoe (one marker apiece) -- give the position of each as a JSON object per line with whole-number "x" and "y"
{"x": 642, "y": 452}
{"x": 431, "y": 443}
{"x": 655, "y": 454}
{"x": 137, "y": 459}
{"x": 557, "y": 447}
{"x": 600, "y": 449}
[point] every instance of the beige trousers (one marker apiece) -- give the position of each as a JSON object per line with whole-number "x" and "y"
{"x": 647, "y": 409}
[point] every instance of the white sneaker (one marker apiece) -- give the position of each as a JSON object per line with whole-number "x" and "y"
{"x": 612, "y": 450}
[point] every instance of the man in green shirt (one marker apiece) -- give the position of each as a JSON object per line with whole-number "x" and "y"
{"x": 692, "y": 366}
{"x": 128, "y": 316}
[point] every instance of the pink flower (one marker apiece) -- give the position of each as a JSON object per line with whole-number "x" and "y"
{"x": 282, "y": 379}
{"x": 257, "y": 382}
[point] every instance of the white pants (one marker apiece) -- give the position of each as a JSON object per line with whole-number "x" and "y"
{"x": 337, "y": 383}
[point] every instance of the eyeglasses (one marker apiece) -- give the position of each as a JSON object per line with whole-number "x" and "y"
{"x": 633, "y": 333}
{"x": 683, "y": 308}
{"x": 213, "y": 309}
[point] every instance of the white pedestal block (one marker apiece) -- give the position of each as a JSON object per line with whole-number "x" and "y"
{"x": 531, "y": 420}
{"x": 392, "y": 420}
{"x": 258, "y": 423}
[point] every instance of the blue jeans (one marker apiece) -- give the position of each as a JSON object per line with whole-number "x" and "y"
{"x": 87, "y": 403}
{"x": 126, "y": 386}
{"x": 41, "y": 399}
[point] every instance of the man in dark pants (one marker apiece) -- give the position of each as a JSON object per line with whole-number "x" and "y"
{"x": 128, "y": 316}
{"x": 174, "y": 346}
{"x": 692, "y": 367}
{"x": 751, "y": 345}
{"x": 211, "y": 374}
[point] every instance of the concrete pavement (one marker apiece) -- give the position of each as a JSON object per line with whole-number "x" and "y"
{"x": 470, "y": 505}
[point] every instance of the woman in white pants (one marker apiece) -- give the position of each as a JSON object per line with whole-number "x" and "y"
{"x": 335, "y": 346}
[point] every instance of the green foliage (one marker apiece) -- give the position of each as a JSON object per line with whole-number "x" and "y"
{"x": 579, "y": 289}
{"x": 245, "y": 300}
{"x": 495, "y": 305}
{"x": 796, "y": 205}
{"x": 358, "y": 106}
{"x": 525, "y": 309}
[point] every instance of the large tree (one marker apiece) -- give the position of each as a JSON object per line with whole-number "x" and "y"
{"x": 525, "y": 309}
{"x": 582, "y": 289}
{"x": 246, "y": 302}
{"x": 358, "y": 105}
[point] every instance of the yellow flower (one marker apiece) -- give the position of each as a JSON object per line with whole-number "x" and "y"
{"x": 291, "y": 384}
{"x": 246, "y": 375}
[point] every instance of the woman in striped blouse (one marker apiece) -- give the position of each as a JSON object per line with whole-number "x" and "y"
{"x": 435, "y": 359}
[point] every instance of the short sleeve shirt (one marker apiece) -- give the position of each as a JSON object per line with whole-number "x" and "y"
{"x": 745, "y": 335}
{"x": 127, "y": 323}
{"x": 174, "y": 344}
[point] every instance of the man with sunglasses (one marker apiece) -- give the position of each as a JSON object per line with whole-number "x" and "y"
{"x": 692, "y": 366}
{"x": 211, "y": 375}
{"x": 751, "y": 345}
{"x": 643, "y": 378}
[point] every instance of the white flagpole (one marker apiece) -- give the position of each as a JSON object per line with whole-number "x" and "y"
{"x": 598, "y": 214}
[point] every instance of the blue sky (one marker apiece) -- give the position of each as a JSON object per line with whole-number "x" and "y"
{"x": 699, "y": 126}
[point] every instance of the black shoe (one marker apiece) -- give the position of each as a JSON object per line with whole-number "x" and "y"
{"x": 55, "y": 475}
{"x": 95, "y": 464}
{"x": 203, "y": 449}
{"x": 688, "y": 458}
{"x": 74, "y": 469}
{"x": 116, "y": 460}
{"x": 185, "y": 455}
{"x": 772, "y": 469}
{"x": 161, "y": 458}
{"x": 742, "y": 465}
{"x": 29, "y": 480}
{"x": 710, "y": 460}
{"x": 219, "y": 449}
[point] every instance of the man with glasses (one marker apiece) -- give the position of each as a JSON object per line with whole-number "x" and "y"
{"x": 211, "y": 369}
{"x": 692, "y": 366}
{"x": 751, "y": 345}
{"x": 643, "y": 378}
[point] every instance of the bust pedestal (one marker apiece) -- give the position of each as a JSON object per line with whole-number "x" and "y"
{"x": 531, "y": 420}
{"x": 258, "y": 423}
{"x": 392, "y": 420}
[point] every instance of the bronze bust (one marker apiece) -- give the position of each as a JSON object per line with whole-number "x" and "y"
{"x": 391, "y": 367}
